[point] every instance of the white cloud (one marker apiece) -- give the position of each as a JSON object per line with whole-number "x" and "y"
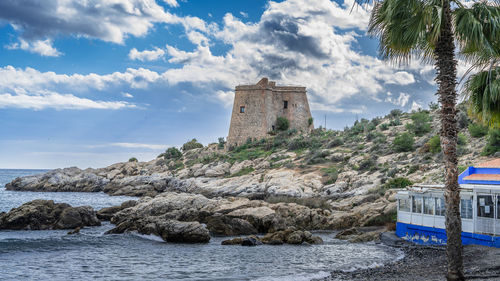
{"x": 110, "y": 21}
{"x": 415, "y": 106}
{"x": 41, "y": 47}
{"x": 130, "y": 145}
{"x": 171, "y": 3}
{"x": 243, "y": 14}
{"x": 226, "y": 97}
{"x": 44, "y": 100}
{"x": 146, "y": 55}
{"x": 127, "y": 95}
{"x": 401, "y": 101}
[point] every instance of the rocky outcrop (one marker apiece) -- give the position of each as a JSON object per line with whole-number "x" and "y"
{"x": 168, "y": 229}
{"x": 68, "y": 179}
{"x": 220, "y": 216}
{"x": 288, "y": 236}
{"x": 106, "y": 214}
{"x": 45, "y": 214}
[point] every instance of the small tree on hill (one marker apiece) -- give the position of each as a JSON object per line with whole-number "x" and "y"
{"x": 282, "y": 124}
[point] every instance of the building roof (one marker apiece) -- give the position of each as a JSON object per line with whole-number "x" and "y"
{"x": 483, "y": 173}
{"x": 495, "y": 163}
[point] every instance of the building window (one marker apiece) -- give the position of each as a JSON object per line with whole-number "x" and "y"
{"x": 429, "y": 205}
{"x": 498, "y": 207}
{"x": 466, "y": 208}
{"x": 285, "y": 104}
{"x": 417, "y": 204}
{"x": 242, "y": 109}
{"x": 485, "y": 206}
{"x": 404, "y": 205}
{"x": 440, "y": 207}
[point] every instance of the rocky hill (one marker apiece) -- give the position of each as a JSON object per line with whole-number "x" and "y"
{"x": 351, "y": 174}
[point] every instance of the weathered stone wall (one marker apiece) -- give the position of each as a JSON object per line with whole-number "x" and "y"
{"x": 264, "y": 103}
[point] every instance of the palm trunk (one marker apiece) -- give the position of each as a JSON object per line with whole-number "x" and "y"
{"x": 446, "y": 66}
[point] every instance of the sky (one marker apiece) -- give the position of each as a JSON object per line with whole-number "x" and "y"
{"x": 90, "y": 83}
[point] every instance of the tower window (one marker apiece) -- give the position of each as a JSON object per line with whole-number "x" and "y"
{"x": 285, "y": 104}
{"x": 242, "y": 109}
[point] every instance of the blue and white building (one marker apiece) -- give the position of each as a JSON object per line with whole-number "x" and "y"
{"x": 421, "y": 209}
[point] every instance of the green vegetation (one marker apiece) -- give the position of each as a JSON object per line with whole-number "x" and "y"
{"x": 192, "y": 144}
{"x": 310, "y": 121}
{"x": 403, "y": 142}
{"x": 242, "y": 172}
{"x": 221, "y": 143}
{"x": 493, "y": 144}
{"x": 434, "y": 144}
{"x": 367, "y": 164}
{"x": 413, "y": 169}
{"x": 392, "y": 184}
{"x": 384, "y": 127}
{"x": 395, "y": 113}
{"x": 330, "y": 175}
{"x": 282, "y": 124}
{"x": 477, "y": 130}
{"x": 420, "y": 124}
{"x": 171, "y": 153}
{"x": 133, "y": 159}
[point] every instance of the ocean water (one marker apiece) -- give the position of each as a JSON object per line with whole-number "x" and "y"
{"x": 91, "y": 255}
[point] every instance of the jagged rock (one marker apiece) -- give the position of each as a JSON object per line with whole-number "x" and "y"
{"x": 74, "y": 231}
{"x": 219, "y": 224}
{"x": 218, "y": 171}
{"x": 237, "y": 167}
{"x": 291, "y": 236}
{"x": 251, "y": 241}
{"x": 234, "y": 241}
{"x": 68, "y": 179}
{"x": 168, "y": 229}
{"x": 107, "y": 213}
{"x": 45, "y": 214}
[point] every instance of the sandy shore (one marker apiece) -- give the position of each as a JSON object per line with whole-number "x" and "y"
{"x": 427, "y": 263}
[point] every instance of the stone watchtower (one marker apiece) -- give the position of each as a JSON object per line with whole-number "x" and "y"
{"x": 257, "y": 107}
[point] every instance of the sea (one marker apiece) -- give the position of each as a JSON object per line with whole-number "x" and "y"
{"x": 93, "y": 255}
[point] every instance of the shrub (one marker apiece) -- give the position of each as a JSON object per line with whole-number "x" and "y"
{"x": 367, "y": 164}
{"x": 463, "y": 120}
{"x": 192, "y": 144}
{"x": 493, "y": 144}
{"x": 335, "y": 142}
{"x": 433, "y": 105}
{"x": 395, "y": 122}
{"x": 222, "y": 143}
{"x": 298, "y": 143}
{"x": 395, "y": 113}
{"x": 413, "y": 169}
{"x": 392, "y": 172}
{"x": 462, "y": 139}
{"x": 310, "y": 121}
{"x": 420, "y": 124}
{"x": 477, "y": 130}
{"x": 242, "y": 172}
{"x": 434, "y": 144}
{"x": 391, "y": 184}
{"x": 403, "y": 142}
{"x": 133, "y": 159}
{"x": 330, "y": 175}
{"x": 172, "y": 153}
{"x": 384, "y": 127}
{"x": 282, "y": 124}
{"x": 398, "y": 183}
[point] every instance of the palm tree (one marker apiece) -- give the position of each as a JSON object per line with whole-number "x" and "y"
{"x": 480, "y": 29}
{"x": 428, "y": 29}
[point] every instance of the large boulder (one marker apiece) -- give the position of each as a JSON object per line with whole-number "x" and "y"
{"x": 68, "y": 179}
{"x": 168, "y": 229}
{"x": 45, "y": 214}
{"x": 107, "y": 213}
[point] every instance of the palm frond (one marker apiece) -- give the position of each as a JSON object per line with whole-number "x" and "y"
{"x": 404, "y": 28}
{"x": 483, "y": 92}
{"x": 477, "y": 30}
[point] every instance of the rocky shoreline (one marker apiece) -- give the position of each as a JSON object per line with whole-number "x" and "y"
{"x": 426, "y": 263}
